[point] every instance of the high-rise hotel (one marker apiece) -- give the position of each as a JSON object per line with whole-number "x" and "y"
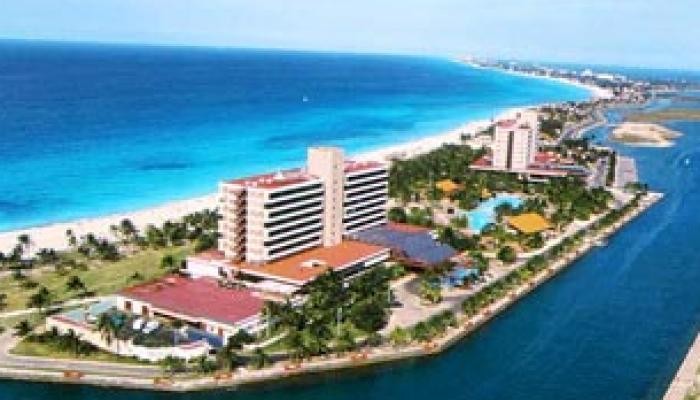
{"x": 272, "y": 216}
{"x": 515, "y": 142}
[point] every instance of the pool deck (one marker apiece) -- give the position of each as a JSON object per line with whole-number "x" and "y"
{"x": 485, "y": 211}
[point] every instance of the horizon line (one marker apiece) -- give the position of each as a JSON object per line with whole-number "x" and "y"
{"x": 450, "y": 56}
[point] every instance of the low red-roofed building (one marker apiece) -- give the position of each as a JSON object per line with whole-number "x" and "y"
{"x": 295, "y": 271}
{"x": 201, "y": 303}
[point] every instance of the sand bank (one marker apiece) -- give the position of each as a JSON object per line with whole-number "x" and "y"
{"x": 644, "y": 134}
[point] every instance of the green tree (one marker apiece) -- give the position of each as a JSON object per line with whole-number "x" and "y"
{"x": 24, "y": 243}
{"x": 227, "y": 358}
{"x": 169, "y": 263}
{"x": 397, "y": 214}
{"x": 40, "y": 299}
{"x": 429, "y": 289}
{"x": 173, "y": 365}
{"x": 205, "y": 365}
{"x": 507, "y": 254}
{"x": 260, "y": 359}
{"x": 75, "y": 284}
{"x": 399, "y": 337}
{"x": 23, "y": 328}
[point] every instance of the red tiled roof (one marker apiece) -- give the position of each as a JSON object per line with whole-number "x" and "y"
{"x": 507, "y": 123}
{"x": 545, "y": 157}
{"x": 289, "y": 177}
{"x": 353, "y": 166}
{"x": 294, "y": 268}
{"x": 197, "y": 298}
{"x": 482, "y": 162}
{"x": 210, "y": 255}
{"x": 274, "y": 180}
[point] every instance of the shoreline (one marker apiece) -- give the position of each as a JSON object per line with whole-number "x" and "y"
{"x": 375, "y": 356}
{"x": 596, "y": 92}
{"x": 686, "y": 378}
{"x": 53, "y": 234}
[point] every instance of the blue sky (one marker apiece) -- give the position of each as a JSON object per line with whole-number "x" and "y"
{"x": 654, "y": 33}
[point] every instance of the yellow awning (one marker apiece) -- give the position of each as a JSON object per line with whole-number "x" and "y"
{"x": 447, "y": 186}
{"x": 529, "y": 223}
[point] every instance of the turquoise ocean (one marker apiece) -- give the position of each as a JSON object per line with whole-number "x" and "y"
{"x": 89, "y": 130}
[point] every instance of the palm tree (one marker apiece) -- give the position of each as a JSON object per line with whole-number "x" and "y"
{"x": 227, "y": 358}
{"x": 344, "y": 340}
{"x": 430, "y": 290}
{"x": 40, "y": 299}
{"x": 295, "y": 343}
{"x": 271, "y": 312}
{"x": 260, "y": 359}
{"x": 399, "y": 337}
{"x": 70, "y": 237}
{"x": 74, "y": 283}
{"x": 128, "y": 230}
{"x": 169, "y": 263}
{"x": 25, "y": 242}
{"x": 23, "y": 328}
{"x": 172, "y": 365}
{"x": 103, "y": 326}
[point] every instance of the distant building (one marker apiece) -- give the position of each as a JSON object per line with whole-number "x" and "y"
{"x": 515, "y": 148}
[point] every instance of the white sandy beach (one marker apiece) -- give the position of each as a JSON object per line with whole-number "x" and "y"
{"x": 596, "y": 92}
{"x": 54, "y": 235}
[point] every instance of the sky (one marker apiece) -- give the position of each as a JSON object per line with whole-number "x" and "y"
{"x": 645, "y": 33}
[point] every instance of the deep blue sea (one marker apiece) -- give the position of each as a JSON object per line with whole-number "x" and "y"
{"x": 92, "y": 129}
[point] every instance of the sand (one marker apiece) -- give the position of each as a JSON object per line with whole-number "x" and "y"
{"x": 644, "y": 134}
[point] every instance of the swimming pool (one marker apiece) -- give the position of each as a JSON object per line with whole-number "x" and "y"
{"x": 485, "y": 213}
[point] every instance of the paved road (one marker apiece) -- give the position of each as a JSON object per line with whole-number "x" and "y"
{"x": 8, "y": 341}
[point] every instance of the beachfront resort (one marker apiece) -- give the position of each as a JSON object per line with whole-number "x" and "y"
{"x": 392, "y": 257}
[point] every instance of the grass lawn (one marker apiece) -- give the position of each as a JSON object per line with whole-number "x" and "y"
{"x": 35, "y": 319}
{"x": 35, "y": 349}
{"x": 100, "y": 278}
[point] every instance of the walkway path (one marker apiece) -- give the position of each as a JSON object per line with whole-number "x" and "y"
{"x": 687, "y": 374}
{"x": 8, "y": 341}
{"x": 69, "y": 303}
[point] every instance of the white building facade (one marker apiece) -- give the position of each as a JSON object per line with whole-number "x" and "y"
{"x": 515, "y": 142}
{"x": 272, "y": 216}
